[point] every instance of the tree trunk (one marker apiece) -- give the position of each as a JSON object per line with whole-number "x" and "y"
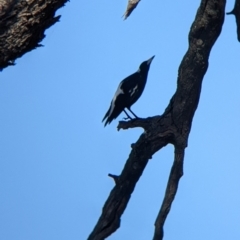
{"x": 172, "y": 127}
{"x": 22, "y": 26}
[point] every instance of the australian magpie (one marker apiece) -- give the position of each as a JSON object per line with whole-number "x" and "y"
{"x": 128, "y": 92}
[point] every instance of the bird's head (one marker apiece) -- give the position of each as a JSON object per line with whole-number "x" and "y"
{"x": 144, "y": 67}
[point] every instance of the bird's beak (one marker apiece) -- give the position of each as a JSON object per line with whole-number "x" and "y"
{"x": 150, "y": 60}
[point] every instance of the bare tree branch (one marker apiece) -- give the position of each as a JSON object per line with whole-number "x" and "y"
{"x": 132, "y": 4}
{"x": 172, "y": 127}
{"x": 236, "y": 13}
{"x": 172, "y": 186}
{"x": 22, "y": 26}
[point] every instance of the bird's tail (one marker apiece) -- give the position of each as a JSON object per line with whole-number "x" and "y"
{"x": 107, "y": 116}
{"x": 111, "y": 114}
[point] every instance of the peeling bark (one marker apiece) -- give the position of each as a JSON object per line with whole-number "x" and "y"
{"x": 172, "y": 127}
{"x": 22, "y": 26}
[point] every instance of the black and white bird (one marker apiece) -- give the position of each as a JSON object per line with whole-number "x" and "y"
{"x": 128, "y": 92}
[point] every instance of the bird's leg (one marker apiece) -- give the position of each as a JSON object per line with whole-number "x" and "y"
{"x": 133, "y": 113}
{"x": 128, "y": 117}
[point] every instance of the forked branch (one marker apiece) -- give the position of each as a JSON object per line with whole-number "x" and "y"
{"x": 172, "y": 127}
{"x": 172, "y": 186}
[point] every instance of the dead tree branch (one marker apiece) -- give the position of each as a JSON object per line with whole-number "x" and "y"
{"x": 236, "y": 13}
{"x": 22, "y": 26}
{"x": 172, "y": 127}
{"x": 172, "y": 186}
{"x": 132, "y": 4}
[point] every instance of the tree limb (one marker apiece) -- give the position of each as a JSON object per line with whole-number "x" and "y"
{"x": 132, "y": 4}
{"x": 236, "y": 13}
{"x": 172, "y": 186}
{"x": 172, "y": 127}
{"x": 22, "y": 26}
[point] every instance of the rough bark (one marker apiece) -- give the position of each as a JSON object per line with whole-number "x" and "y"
{"x": 236, "y": 13}
{"x": 22, "y": 26}
{"x": 173, "y": 126}
{"x": 132, "y": 4}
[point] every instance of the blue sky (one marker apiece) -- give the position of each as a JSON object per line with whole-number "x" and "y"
{"x": 55, "y": 153}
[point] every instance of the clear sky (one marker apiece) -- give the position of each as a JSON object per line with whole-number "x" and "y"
{"x": 55, "y": 153}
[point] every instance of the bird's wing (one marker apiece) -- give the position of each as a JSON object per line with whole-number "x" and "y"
{"x": 126, "y": 94}
{"x": 128, "y": 84}
{"x": 117, "y": 94}
{"x": 117, "y": 105}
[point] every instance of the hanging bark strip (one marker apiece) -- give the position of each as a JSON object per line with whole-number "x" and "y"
{"x": 172, "y": 127}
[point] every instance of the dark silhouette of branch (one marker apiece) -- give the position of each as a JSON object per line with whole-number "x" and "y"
{"x": 22, "y": 26}
{"x": 203, "y": 33}
{"x": 175, "y": 175}
{"x": 114, "y": 177}
{"x": 172, "y": 127}
{"x": 236, "y": 13}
